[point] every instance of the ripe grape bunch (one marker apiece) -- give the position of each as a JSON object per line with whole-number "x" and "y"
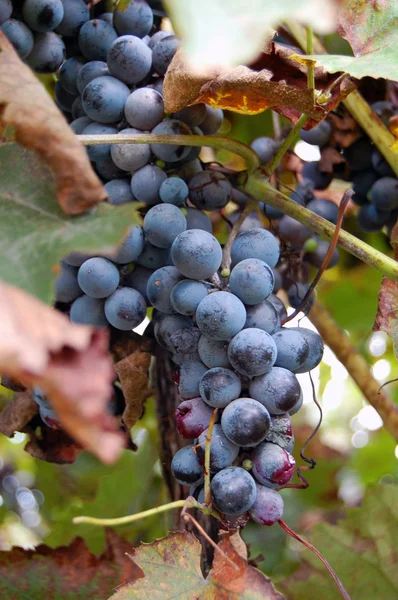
{"x": 223, "y": 326}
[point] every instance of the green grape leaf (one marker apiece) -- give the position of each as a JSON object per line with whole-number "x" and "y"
{"x": 66, "y": 573}
{"x": 371, "y": 28}
{"x": 361, "y": 549}
{"x": 171, "y": 568}
{"x": 225, "y": 34}
{"x": 34, "y": 232}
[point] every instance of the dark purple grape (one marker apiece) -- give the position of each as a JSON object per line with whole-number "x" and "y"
{"x": 222, "y": 451}
{"x": 279, "y": 390}
{"x": 272, "y": 465}
{"x": 192, "y": 417}
{"x": 268, "y": 506}
{"x": 245, "y": 422}
{"x": 186, "y": 468}
{"x": 233, "y": 490}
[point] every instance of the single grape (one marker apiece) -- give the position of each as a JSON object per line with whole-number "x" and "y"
{"x": 186, "y": 296}
{"x": 129, "y": 59}
{"x": 212, "y": 121}
{"x": 98, "y": 277}
{"x": 79, "y": 125}
{"x": 119, "y": 191}
{"x": 220, "y": 316}
{"x": 100, "y": 151}
{"x": 281, "y": 432}
{"x": 219, "y": 386}
{"x": 384, "y": 109}
{"x": 265, "y": 147}
{"x": 146, "y": 182}
{"x": 125, "y": 309}
{"x": 192, "y": 418}
{"x": 135, "y": 19}
{"x": 252, "y": 281}
{"x": 296, "y": 294}
{"x": 20, "y": 37}
{"x": 362, "y": 181}
{"x": 370, "y": 219}
{"x": 77, "y": 108}
{"x": 104, "y": 99}
{"x": 159, "y": 288}
{"x": 162, "y": 224}
{"x": 278, "y": 281}
{"x": 278, "y": 305}
{"x": 318, "y": 135}
{"x": 252, "y": 352}
{"x": 191, "y": 115}
{"x": 76, "y": 14}
{"x": 316, "y": 349}
{"x": 272, "y": 465}
{"x": 297, "y": 406}
{"x": 95, "y": 39}
{"x": 278, "y": 390}
{"x": 171, "y": 153}
{"x": 196, "y": 253}
{"x": 381, "y": 166}
{"x": 186, "y": 468}
{"x": 234, "y": 491}
{"x": 292, "y": 347}
{"x": 210, "y": 190}
{"x": 213, "y": 353}
{"x": 152, "y": 257}
{"x": 294, "y": 232}
{"x": 89, "y": 71}
{"x": 130, "y": 157}
{"x": 359, "y": 154}
{"x": 196, "y": 219}
{"x": 255, "y": 243}
{"x": 384, "y": 193}
{"x": 5, "y": 10}
{"x": 144, "y": 108}
{"x": 132, "y": 246}
{"x": 263, "y": 316}
{"x": 69, "y": 72}
{"x": 107, "y": 169}
{"x": 170, "y": 330}
{"x": 222, "y": 451}
{"x": 190, "y": 375}
{"x": 245, "y": 422}
{"x": 174, "y": 191}
{"x": 40, "y": 398}
{"x": 67, "y": 287}
{"x": 163, "y": 52}
{"x": 75, "y": 259}
{"x": 316, "y": 257}
{"x": 63, "y": 99}
{"x": 88, "y": 311}
{"x": 42, "y": 15}
{"x": 138, "y": 279}
{"x": 324, "y": 208}
{"x": 156, "y": 37}
{"x": 320, "y": 179}
{"x": 268, "y": 507}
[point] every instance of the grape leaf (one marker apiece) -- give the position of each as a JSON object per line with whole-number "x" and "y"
{"x": 372, "y": 30}
{"x": 361, "y": 549}
{"x": 274, "y": 81}
{"x": 171, "y": 568}
{"x": 40, "y": 346}
{"x": 224, "y": 34}
{"x": 66, "y": 573}
{"x": 34, "y": 232}
{"x": 29, "y": 113}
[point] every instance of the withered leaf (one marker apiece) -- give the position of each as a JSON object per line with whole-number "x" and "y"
{"x": 66, "y": 572}
{"x": 133, "y": 373}
{"x": 28, "y": 110}
{"x": 232, "y": 579}
{"x": 274, "y": 81}
{"x": 39, "y": 346}
{"x": 17, "y": 413}
{"x": 52, "y": 445}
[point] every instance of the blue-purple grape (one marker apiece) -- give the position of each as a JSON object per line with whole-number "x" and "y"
{"x": 129, "y": 59}
{"x": 255, "y": 243}
{"x": 220, "y": 316}
{"x": 263, "y": 316}
{"x": 136, "y": 19}
{"x": 292, "y": 347}
{"x": 186, "y": 468}
{"x": 316, "y": 348}
{"x": 222, "y": 451}
{"x": 104, "y": 98}
{"x": 234, "y": 491}
{"x": 252, "y": 281}
{"x": 146, "y": 182}
{"x": 19, "y": 35}
{"x": 219, "y": 386}
{"x": 268, "y": 507}
{"x": 144, "y": 108}
{"x": 245, "y": 422}
{"x": 87, "y": 310}
{"x": 125, "y": 309}
{"x": 131, "y": 247}
{"x": 98, "y": 277}
{"x": 174, "y": 190}
{"x": 119, "y": 191}
{"x": 162, "y": 224}
{"x": 89, "y": 71}
{"x": 196, "y": 254}
{"x": 186, "y": 296}
{"x": 278, "y": 390}
{"x": 213, "y": 353}
{"x": 252, "y": 352}
{"x": 210, "y": 190}
{"x": 159, "y": 288}
{"x": 189, "y": 378}
{"x": 130, "y": 157}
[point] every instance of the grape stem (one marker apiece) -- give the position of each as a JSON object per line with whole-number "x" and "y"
{"x": 258, "y": 187}
{"x": 214, "y": 141}
{"x": 356, "y": 105}
{"x": 356, "y": 365}
{"x": 270, "y": 167}
{"x": 226, "y": 260}
{"x": 129, "y": 518}
{"x": 310, "y": 66}
{"x": 207, "y": 457}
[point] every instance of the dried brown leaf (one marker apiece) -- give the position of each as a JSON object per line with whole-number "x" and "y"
{"x": 17, "y": 413}
{"x": 52, "y": 445}
{"x": 133, "y": 373}
{"x": 39, "y": 346}
{"x": 275, "y": 81}
{"x": 67, "y": 571}
{"x": 26, "y": 107}
{"x": 387, "y": 310}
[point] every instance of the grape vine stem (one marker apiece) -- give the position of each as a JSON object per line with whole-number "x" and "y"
{"x": 226, "y": 261}
{"x": 214, "y": 141}
{"x": 356, "y": 365}
{"x": 258, "y": 187}
{"x": 129, "y": 518}
{"x": 270, "y": 167}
